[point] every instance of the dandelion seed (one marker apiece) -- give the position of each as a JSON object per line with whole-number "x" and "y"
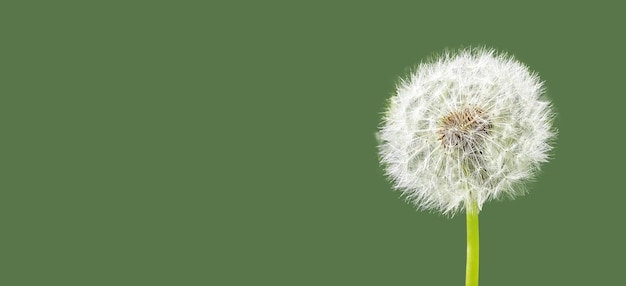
{"x": 466, "y": 128}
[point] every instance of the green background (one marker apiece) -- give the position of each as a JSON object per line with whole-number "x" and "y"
{"x": 208, "y": 143}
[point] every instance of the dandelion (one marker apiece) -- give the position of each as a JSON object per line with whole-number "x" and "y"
{"x": 464, "y": 129}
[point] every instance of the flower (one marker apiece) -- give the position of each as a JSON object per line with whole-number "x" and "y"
{"x": 465, "y": 128}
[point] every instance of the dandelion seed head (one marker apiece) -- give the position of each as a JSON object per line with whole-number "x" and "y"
{"x": 467, "y": 127}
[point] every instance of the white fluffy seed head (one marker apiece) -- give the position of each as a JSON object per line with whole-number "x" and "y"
{"x": 466, "y": 128}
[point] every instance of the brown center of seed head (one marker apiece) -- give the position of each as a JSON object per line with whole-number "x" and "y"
{"x": 464, "y": 129}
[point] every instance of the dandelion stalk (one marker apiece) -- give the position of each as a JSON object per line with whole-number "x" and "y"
{"x": 471, "y": 265}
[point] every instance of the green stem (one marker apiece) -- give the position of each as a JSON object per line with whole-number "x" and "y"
{"x": 471, "y": 266}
